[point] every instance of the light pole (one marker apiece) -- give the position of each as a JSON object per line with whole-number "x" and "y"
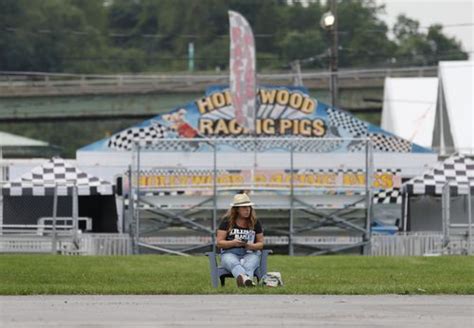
{"x": 329, "y": 23}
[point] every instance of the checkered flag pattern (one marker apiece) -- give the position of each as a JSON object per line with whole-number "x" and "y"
{"x": 387, "y": 196}
{"x": 457, "y": 170}
{"x": 144, "y": 136}
{"x": 43, "y": 179}
{"x": 310, "y": 145}
{"x": 173, "y": 145}
{"x": 348, "y": 122}
{"x": 178, "y": 172}
{"x": 383, "y": 143}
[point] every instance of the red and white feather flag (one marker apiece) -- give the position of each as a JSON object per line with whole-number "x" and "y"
{"x": 242, "y": 71}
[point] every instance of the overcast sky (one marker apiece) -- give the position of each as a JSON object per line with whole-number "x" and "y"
{"x": 428, "y": 12}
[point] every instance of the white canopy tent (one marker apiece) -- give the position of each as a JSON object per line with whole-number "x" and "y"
{"x": 13, "y": 140}
{"x": 31, "y": 197}
{"x": 9, "y": 139}
{"x": 441, "y": 200}
{"x": 433, "y": 112}
{"x": 454, "y": 110}
{"x": 409, "y": 108}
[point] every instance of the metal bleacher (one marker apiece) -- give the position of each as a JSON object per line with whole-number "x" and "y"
{"x": 299, "y": 218}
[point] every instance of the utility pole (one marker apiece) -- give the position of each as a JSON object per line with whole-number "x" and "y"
{"x": 329, "y": 23}
{"x": 191, "y": 57}
{"x": 334, "y": 55}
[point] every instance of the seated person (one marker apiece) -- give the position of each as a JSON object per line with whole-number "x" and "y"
{"x": 240, "y": 238}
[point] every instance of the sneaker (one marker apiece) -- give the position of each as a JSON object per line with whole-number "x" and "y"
{"x": 249, "y": 282}
{"x": 241, "y": 281}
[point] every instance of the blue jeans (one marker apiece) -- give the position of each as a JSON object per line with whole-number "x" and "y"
{"x": 241, "y": 262}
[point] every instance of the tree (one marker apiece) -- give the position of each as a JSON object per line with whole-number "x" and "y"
{"x": 300, "y": 36}
{"x": 52, "y": 36}
{"x": 12, "y": 44}
{"x": 417, "y": 48}
{"x": 98, "y": 36}
{"x": 406, "y": 28}
{"x": 444, "y": 48}
{"x": 362, "y": 35}
{"x": 306, "y": 46}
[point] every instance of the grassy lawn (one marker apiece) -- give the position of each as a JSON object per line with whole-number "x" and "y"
{"x": 160, "y": 274}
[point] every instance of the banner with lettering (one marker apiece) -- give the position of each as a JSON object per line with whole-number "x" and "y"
{"x": 282, "y": 113}
{"x": 242, "y": 69}
{"x": 195, "y": 179}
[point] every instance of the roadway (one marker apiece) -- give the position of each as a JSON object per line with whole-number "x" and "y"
{"x": 237, "y": 311}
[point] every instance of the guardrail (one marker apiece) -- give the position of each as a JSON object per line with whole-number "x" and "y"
{"x": 106, "y": 244}
{"x": 89, "y": 244}
{"x": 40, "y": 83}
{"x": 32, "y": 243}
{"x": 418, "y": 245}
{"x": 121, "y": 244}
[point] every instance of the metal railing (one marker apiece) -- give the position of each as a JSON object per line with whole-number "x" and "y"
{"x": 90, "y": 244}
{"x": 417, "y": 244}
{"x": 28, "y": 83}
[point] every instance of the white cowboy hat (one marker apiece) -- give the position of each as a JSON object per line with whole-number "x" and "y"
{"x": 241, "y": 200}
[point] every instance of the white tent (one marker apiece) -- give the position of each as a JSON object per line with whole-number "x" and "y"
{"x": 9, "y": 139}
{"x": 409, "y": 108}
{"x": 424, "y": 207}
{"x": 454, "y": 120}
{"x": 433, "y": 112}
{"x": 31, "y": 197}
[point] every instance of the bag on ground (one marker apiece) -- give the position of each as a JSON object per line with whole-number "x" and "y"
{"x": 272, "y": 279}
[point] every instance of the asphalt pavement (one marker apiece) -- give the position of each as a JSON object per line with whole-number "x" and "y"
{"x": 237, "y": 311}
